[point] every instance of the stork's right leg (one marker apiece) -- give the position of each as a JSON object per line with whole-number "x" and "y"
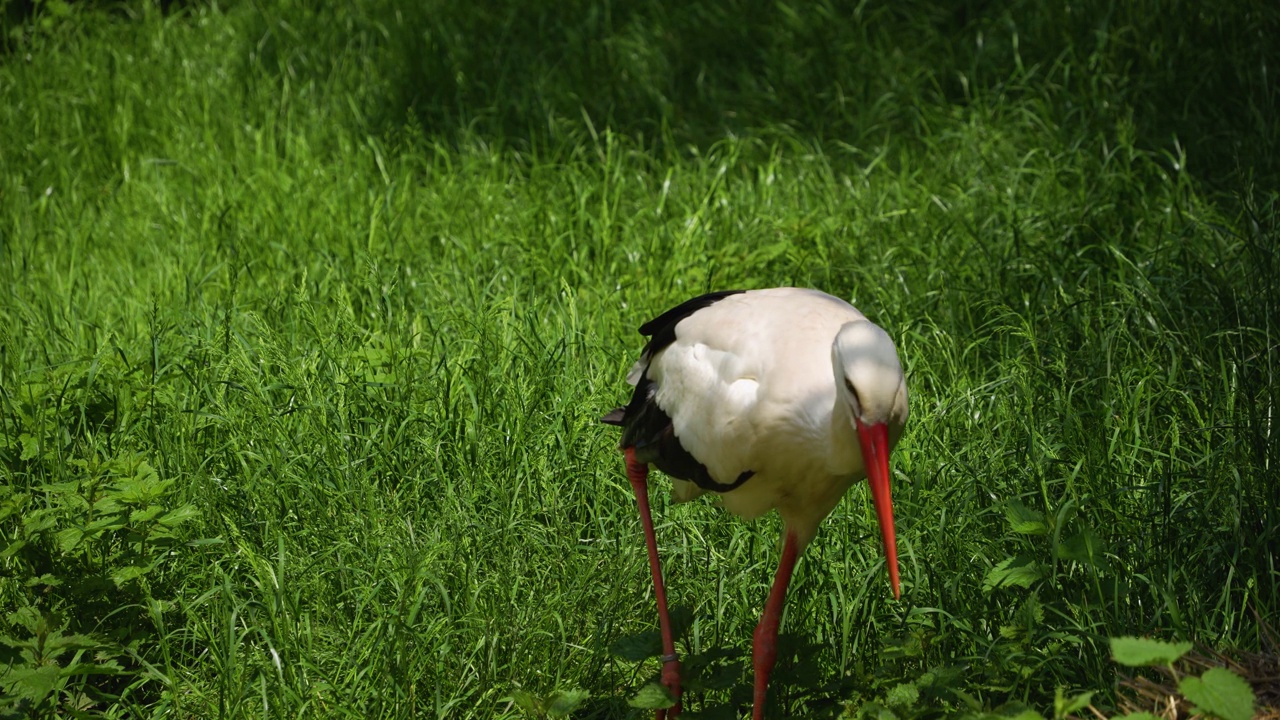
{"x": 638, "y": 474}
{"x": 764, "y": 651}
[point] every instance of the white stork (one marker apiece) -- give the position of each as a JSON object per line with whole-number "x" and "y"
{"x": 777, "y": 398}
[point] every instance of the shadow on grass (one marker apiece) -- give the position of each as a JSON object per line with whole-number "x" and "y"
{"x": 692, "y": 73}
{"x": 685, "y": 74}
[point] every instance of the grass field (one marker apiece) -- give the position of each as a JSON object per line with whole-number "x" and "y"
{"x": 307, "y": 318}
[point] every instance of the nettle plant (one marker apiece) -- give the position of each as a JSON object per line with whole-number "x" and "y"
{"x": 1062, "y": 569}
{"x": 1218, "y": 692}
{"x": 1071, "y": 543}
{"x": 83, "y": 532}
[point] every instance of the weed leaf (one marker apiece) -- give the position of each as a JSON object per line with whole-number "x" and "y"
{"x": 13, "y": 548}
{"x": 28, "y": 618}
{"x": 563, "y": 702}
{"x": 1220, "y": 693}
{"x": 67, "y": 538}
{"x": 1064, "y": 706}
{"x": 1144, "y": 652}
{"x": 902, "y": 696}
{"x": 110, "y": 667}
{"x": 143, "y": 515}
{"x": 1023, "y": 520}
{"x": 637, "y": 646}
{"x": 179, "y": 515}
{"x": 32, "y": 683}
{"x": 648, "y": 643}
{"x": 653, "y": 696}
{"x": 1021, "y": 570}
{"x": 528, "y": 702}
{"x": 123, "y": 575}
{"x": 1086, "y": 548}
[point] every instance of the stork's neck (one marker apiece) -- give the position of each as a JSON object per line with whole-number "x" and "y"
{"x": 843, "y": 455}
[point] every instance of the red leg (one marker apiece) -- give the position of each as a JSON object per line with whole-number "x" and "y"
{"x": 638, "y": 474}
{"x": 765, "y": 649}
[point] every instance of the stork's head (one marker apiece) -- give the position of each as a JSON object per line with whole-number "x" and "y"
{"x": 869, "y": 379}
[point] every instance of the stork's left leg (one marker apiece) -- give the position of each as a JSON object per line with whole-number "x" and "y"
{"x": 638, "y": 474}
{"x": 764, "y": 651}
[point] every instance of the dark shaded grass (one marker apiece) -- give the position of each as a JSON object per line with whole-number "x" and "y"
{"x": 839, "y": 71}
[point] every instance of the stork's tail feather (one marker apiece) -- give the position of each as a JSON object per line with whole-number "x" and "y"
{"x": 614, "y": 417}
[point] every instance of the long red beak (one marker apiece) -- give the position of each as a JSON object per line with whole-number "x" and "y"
{"x": 875, "y": 456}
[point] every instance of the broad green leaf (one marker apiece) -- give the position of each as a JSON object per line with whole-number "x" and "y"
{"x": 940, "y": 677}
{"x": 720, "y": 676}
{"x": 13, "y": 505}
{"x": 147, "y": 514}
{"x": 28, "y": 618}
{"x": 1086, "y": 548}
{"x": 144, "y": 487}
{"x": 1021, "y": 571}
{"x": 179, "y": 515}
{"x": 1144, "y": 652}
{"x": 147, "y": 474}
{"x": 47, "y": 580}
{"x": 13, "y": 547}
{"x": 1024, "y": 520}
{"x": 71, "y": 487}
{"x": 648, "y": 643}
{"x": 107, "y": 506}
{"x": 110, "y": 522}
{"x": 1220, "y": 693}
{"x": 1031, "y": 614}
{"x": 68, "y": 538}
{"x": 653, "y": 696}
{"x": 30, "y": 447}
{"x": 124, "y": 575}
{"x": 32, "y": 683}
{"x": 1064, "y": 706}
{"x": 902, "y": 696}
{"x": 563, "y": 702}
{"x": 37, "y": 522}
{"x": 528, "y": 702}
{"x": 637, "y": 646}
{"x": 110, "y": 667}
{"x": 681, "y": 621}
{"x": 1029, "y": 617}
{"x": 58, "y": 641}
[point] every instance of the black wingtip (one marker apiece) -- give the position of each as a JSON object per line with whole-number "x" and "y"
{"x": 614, "y": 417}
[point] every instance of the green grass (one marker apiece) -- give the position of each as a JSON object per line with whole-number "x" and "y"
{"x": 314, "y": 313}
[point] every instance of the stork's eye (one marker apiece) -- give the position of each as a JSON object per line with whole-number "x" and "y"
{"x": 857, "y": 401}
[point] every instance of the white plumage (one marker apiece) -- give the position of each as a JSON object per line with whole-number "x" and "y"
{"x": 749, "y": 385}
{"x": 772, "y": 398}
